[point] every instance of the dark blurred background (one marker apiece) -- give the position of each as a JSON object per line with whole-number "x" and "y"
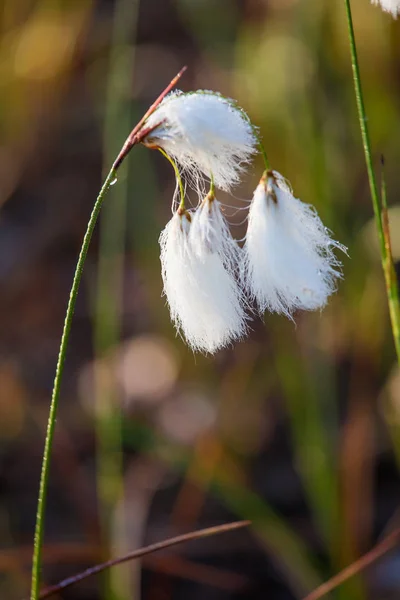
{"x": 297, "y": 427}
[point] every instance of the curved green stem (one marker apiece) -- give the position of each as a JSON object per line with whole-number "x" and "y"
{"x": 262, "y": 150}
{"x": 178, "y": 178}
{"x": 363, "y": 125}
{"x": 392, "y": 287}
{"x": 44, "y": 477}
{"x": 212, "y": 185}
{"x": 260, "y": 145}
{"x": 380, "y": 215}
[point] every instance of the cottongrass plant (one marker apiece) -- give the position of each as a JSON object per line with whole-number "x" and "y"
{"x": 207, "y": 136}
{"x": 390, "y": 6}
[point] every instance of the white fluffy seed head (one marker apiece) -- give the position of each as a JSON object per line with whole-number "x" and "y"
{"x": 205, "y": 133}
{"x": 205, "y": 301}
{"x": 289, "y": 261}
{"x": 210, "y": 233}
{"x": 391, "y": 6}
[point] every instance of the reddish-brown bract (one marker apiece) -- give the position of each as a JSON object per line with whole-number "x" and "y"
{"x": 138, "y": 133}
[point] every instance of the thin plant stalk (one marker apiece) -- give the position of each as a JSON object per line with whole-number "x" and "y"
{"x": 384, "y": 243}
{"x": 371, "y": 557}
{"x": 263, "y": 152}
{"x": 389, "y": 270}
{"x": 44, "y": 477}
{"x": 135, "y": 137}
{"x": 178, "y": 179}
{"x": 135, "y": 554}
{"x": 394, "y": 306}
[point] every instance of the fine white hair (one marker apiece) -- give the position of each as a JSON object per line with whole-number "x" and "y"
{"x": 391, "y": 6}
{"x": 198, "y": 259}
{"x": 288, "y": 262}
{"x": 206, "y": 134}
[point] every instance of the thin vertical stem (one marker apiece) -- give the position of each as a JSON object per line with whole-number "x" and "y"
{"x": 363, "y": 126}
{"x": 263, "y": 153}
{"x": 40, "y": 515}
{"x": 389, "y": 270}
{"x": 384, "y": 243}
{"x": 212, "y": 185}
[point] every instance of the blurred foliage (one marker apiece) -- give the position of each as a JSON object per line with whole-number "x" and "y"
{"x": 297, "y": 427}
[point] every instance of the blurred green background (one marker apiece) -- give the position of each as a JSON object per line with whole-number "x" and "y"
{"x": 297, "y": 427}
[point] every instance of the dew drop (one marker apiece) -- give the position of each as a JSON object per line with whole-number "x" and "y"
{"x": 114, "y": 181}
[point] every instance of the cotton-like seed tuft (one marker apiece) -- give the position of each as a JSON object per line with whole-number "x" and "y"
{"x": 205, "y": 133}
{"x": 198, "y": 269}
{"x": 289, "y": 262}
{"x": 390, "y": 6}
{"x": 210, "y": 233}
